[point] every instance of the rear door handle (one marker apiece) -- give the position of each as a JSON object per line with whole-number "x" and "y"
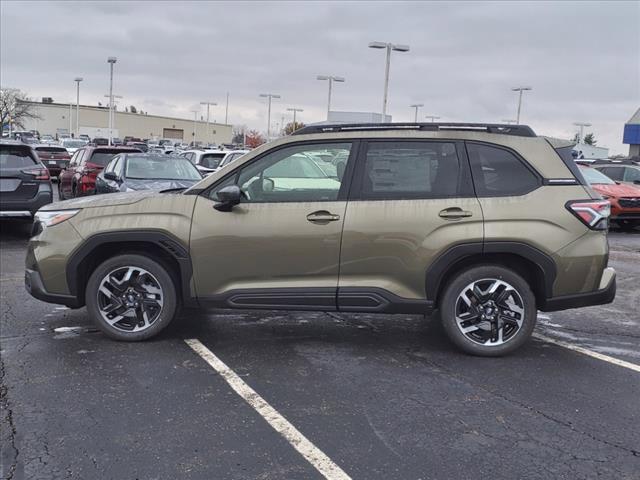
{"x": 322, "y": 216}
{"x": 454, "y": 213}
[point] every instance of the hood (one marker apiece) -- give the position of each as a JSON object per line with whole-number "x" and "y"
{"x": 615, "y": 190}
{"x": 158, "y": 184}
{"x": 105, "y": 200}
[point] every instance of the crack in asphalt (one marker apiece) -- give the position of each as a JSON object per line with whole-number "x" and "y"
{"x": 4, "y": 405}
{"x": 444, "y": 371}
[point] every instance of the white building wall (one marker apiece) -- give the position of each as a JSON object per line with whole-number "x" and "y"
{"x": 54, "y": 118}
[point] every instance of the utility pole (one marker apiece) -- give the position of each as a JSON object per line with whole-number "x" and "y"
{"x": 294, "y": 110}
{"x": 520, "y": 89}
{"x": 416, "y": 106}
{"x": 77, "y": 80}
{"x": 226, "y": 111}
{"x": 269, "y": 96}
{"x": 331, "y": 79}
{"x": 208, "y": 104}
{"x": 389, "y": 47}
{"x": 111, "y": 61}
{"x": 581, "y": 125}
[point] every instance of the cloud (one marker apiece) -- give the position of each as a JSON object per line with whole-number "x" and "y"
{"x": 582, "y": 58}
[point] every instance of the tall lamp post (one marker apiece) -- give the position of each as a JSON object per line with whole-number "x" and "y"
{"x": 77, "y": 80}
{"x": 269, "y": 96}
{"x": 195, "y": 125}
{"x": 581, "y": 125}
{"x": 331, "y": 79}
{"x": 112, "y": 113}
{"x": 520, "y": 89}
{"x": 294, "y": 110}
{"x": 208, "y": 104}
{"x": 432, "y": 117}
{"x": 111, "y": 61}
{"x": 389, "y": 47}
{"x": 416, "y": 106}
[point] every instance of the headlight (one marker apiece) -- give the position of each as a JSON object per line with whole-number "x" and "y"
{"x": 49, "y": 218}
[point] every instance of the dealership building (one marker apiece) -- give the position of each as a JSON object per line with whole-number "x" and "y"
{"x": 59, "y": 118}
{"x": 631, "y": 134}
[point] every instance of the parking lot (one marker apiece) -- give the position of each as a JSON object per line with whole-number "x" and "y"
{"x": 302, "y": 395}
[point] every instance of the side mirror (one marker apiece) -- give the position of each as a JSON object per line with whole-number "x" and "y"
{"x": 228, "y": 196}
{"x": 111, "y": 176}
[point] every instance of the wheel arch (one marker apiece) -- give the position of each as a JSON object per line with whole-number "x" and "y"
{"x": 160, "y": 246}
{"x": 535, "y": 266}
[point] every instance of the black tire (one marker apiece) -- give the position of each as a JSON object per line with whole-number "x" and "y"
{"x": 522, "y": 307}
{"x": 158, "y": 273}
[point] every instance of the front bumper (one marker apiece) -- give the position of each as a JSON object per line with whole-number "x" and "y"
{"x": 605, "y": 294}
{"x": 35, "y": 287}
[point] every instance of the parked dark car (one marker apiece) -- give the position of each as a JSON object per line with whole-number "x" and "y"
{"x": 25, "y": 184}
{"x": 139, "y": 145}
{"x": 146, "y": 171}
{"x": 100, "y": 141}
{"x": 79, "y": 178}
{"x": 55, "y": 158}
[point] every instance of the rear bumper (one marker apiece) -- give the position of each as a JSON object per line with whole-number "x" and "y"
{"x": 35, "y": 287}
{"x": 17, "y": 208}
{"x": 605, "y": 294}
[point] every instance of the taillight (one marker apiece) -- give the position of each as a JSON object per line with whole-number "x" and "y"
{"x": 38, "y": 173}
{"x": 593, "y": 213}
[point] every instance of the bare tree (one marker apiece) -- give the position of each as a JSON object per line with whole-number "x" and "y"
{"x": 15, "y": 107}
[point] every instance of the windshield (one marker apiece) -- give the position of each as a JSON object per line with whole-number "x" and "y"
{"x": 161, "y": 168}
{"x": 73, "y": 143}
{"x": 15, "y": 157}
{"x": 51, "y": 149}
{"x": 593, "y": 176}
{"x": 211, "y": 160}
{"x": 101, "y": 158}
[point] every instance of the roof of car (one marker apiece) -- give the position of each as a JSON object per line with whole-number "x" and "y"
{"x": 9, "y": 141}
{"x": 48, "y": 145}
{"x": 154, "y": 155}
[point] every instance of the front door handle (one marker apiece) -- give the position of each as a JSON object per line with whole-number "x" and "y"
{"x": 454, "y": 213}
{"x": 322, "y": 217}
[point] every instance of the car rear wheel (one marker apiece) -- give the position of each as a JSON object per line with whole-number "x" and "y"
{"x": 131, "y": 297}
{"x": 488, "y": 311}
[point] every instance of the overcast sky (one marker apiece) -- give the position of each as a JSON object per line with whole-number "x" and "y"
{"x": 582, "y": 59}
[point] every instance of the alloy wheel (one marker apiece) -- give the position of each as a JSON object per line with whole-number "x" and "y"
{"x": 130, "y": 299}
{"x": 489, "y": 312}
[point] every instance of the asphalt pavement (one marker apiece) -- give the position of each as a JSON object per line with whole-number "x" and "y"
{"x": 380, "y": 396}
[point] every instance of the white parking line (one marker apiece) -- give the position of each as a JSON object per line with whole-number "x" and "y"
{"x": 584, "y": 351}
{"x": 308, "y": 450}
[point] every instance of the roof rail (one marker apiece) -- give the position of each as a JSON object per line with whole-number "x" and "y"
{"x": 503, "y": 129}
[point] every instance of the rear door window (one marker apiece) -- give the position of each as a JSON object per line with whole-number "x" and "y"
{"x": 406, "y": 170}
{"x": 614, "y": 173}
{"x": 12, "y": 157}
{"x": 631, "y": 174}
{"x": 498, "y": 172}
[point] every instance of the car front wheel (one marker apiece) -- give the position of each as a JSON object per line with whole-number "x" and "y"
{"x": 131, "y": 297}
{"x": 488, "y": 310}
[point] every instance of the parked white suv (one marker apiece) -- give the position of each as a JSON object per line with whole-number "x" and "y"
{"x": 209, "y": 161}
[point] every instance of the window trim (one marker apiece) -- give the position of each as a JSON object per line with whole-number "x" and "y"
{"x": 527, "y": 165}
{"x": 345, "y": 185}
{"x": 466, "y": 180}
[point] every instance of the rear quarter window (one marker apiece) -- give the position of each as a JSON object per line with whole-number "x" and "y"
{"x": 15, "y": 157}
{"x": 498, "y": 172}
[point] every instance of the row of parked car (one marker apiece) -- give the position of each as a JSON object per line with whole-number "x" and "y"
{"x": 27, "y": 171}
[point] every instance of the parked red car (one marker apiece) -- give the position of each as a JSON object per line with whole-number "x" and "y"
{"x": 79, "y": 177}
{"x": 624, "y": 199}
{"x": 53, "y": 157}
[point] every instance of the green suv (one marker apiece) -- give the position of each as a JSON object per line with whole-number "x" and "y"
{"x": 485, "y": 223}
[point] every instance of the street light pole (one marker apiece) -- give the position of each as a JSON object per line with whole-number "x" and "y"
{"x": 77, "y": 80}
{"x": 581, "y": 125}
{"x": 389, "y": 47}
{"x": 331, "y": 79}
{"x": 432, "y": 117}
{"x": 195, "y": 124}
{"x": 294, "y": 110}
{"x": 208, "y": 104}
{"x": 269, "y": 96}
{"x": 520, "y": 89}
{"x": 416, "y": 106}
{"x": 226, "y": 110}
{"x": 111, "y": 61}
{"x": 112, "y": 113}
